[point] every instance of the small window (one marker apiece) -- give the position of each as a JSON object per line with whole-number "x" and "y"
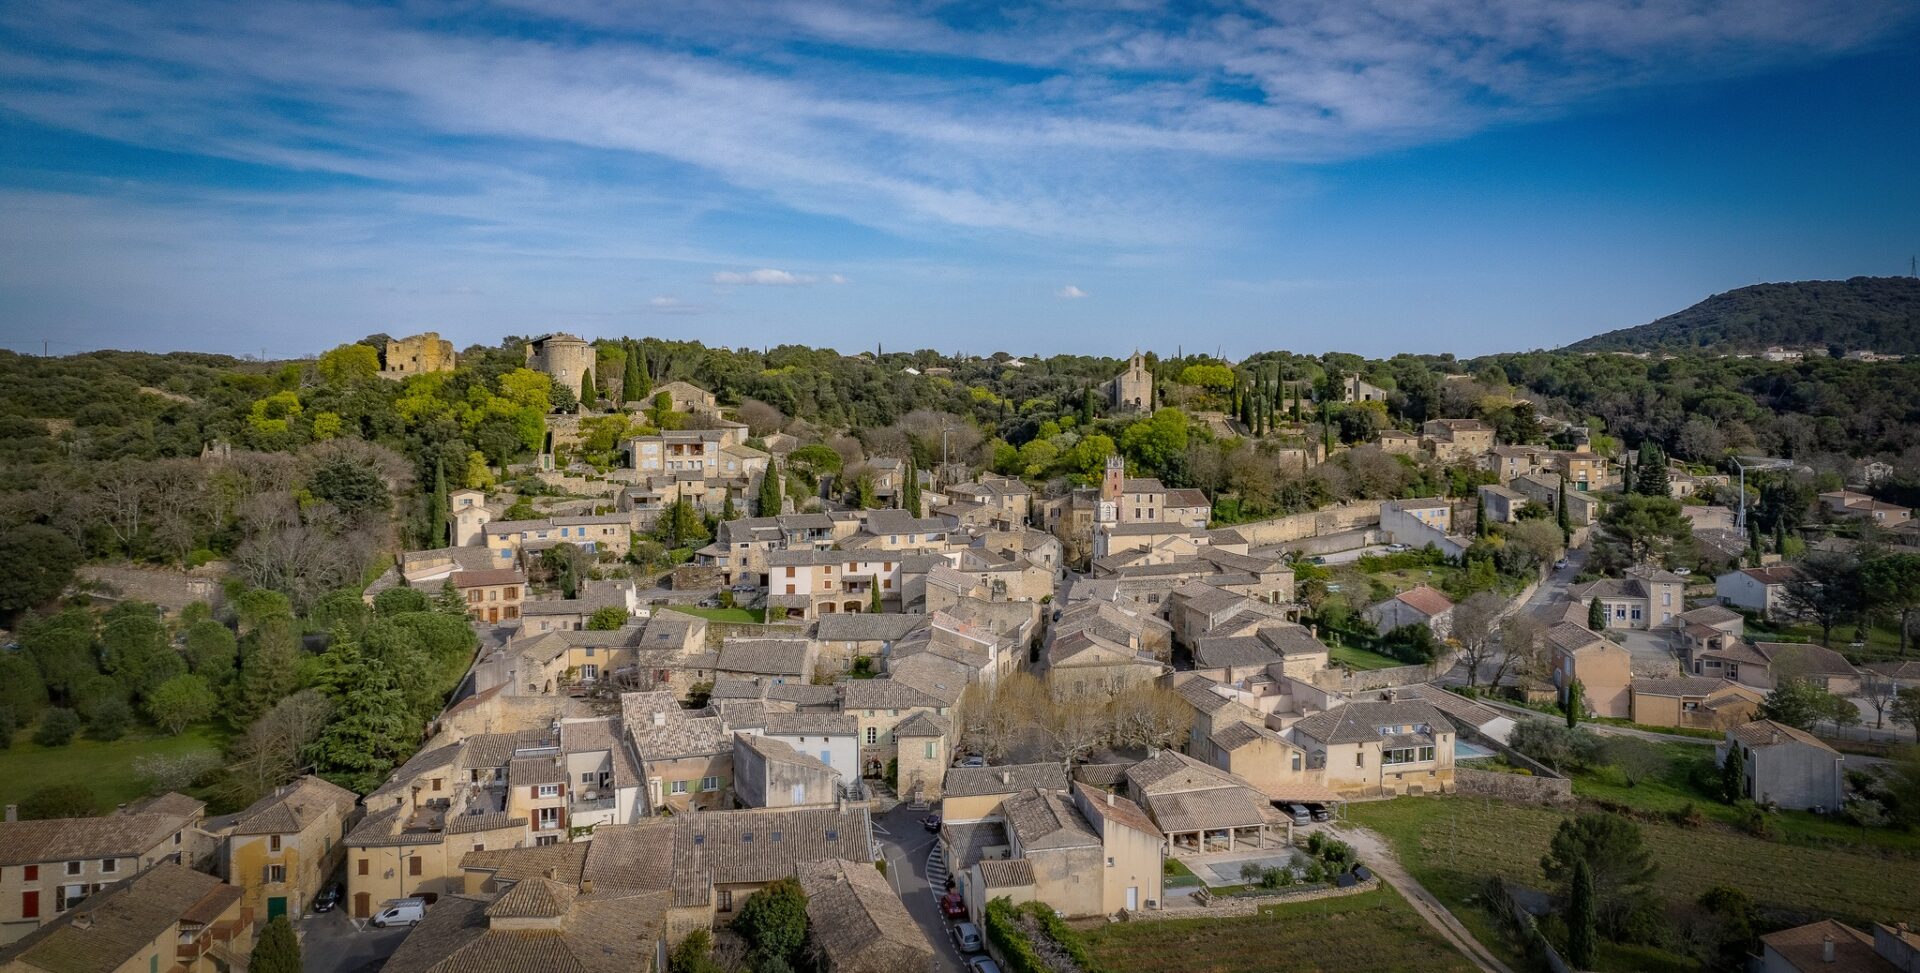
{"x": 363, "y": 867}
{"x": 549, "y": 790}
{"x": 413, "y": 865}
{"x": 746, "y": 838}
{"x": 699, "y": 839}
{"x": 679, "y": 787}
{"x": 73, "y": 868}
{"x": 1360, "y": 759}
{"x": 774, "y": 836}
{"x": 109, "y": 865}
{"x": 33, "y": 873}
{"x": 273, "y": 841}
{"x": 833, "y": 834}
{"x": 1109, "y": 861}
{"x": 586, "y": 778}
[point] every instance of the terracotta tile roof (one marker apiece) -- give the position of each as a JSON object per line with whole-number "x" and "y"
{"x": 291, "y": 808}
{"x": 1802, "y": 947}
{"x": 66, "y": 839}
{"x": 566, "y": 860}
{"x": 858, "y": 922}
{"x": 1360, "y": 722}
{"x": 1006, "y": 873}
{"x": 118, "y": 925}
{"x": 1044, "y": 820}
{"x": 1116, "y": 809}
{"x": 1009, "y": 779}
{"x": 1426, "y": 600}
{"x": 533, "y": 898}
{"x": 1767, "y": 733}
{"x": 1777, "y": 574}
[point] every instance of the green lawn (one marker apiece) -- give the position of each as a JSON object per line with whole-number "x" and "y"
{"x": 1359, "y": 658}
{"x": 1453, "y": 844}
{"x": 106, "y": 768}
{"x": 1374, "y": 930}
{"x": 740, "y": 615}
{"x": 1671, "y": 788}
{"x": 1882, "y": 642}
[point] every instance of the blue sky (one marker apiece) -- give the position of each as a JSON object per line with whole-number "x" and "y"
{"x": 1372, "y": 176}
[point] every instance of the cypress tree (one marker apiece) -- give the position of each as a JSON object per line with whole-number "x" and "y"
{"x": 631, "y": 381}
{"x": 1573, "y": 704}
{"x": 1581, "y": 919}
{"x": 875, "y": 607}
{"x": 910, "y": 493}
{"x": 1480, "y": 527}
{"x": 1596, "y": 615}
{"x": 278, "y": 950}
{"x": 1561, "y": 513}
{"x": 770, "y": 491}
{"x": 589, "y": 392}
{"x": 1086, "y": 405}
{"x": 1780, "y": 537}
{"x": 644, "y": 388}
{"x": 437, "y": 521}
{"x": 727, "y": 511}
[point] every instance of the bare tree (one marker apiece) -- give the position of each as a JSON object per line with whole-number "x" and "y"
{"x": 1880, "y": 690}
{"x": 1075, "y": 728}
{"x": 122, "y": 490}
{"x": 1474, "y": 622}
{"x": 1148, "y": 715}
{"x": 269, "y": 753}
{"x": 760, "y": 417}
{"x": 1522, "y": 638}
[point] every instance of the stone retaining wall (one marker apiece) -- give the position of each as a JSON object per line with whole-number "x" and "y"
{"x": 1246, "y": 905}
{"x": 1512, "y": 787}
{"x": 1332, "y": 520}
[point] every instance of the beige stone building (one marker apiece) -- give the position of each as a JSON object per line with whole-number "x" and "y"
{"x": 49, "y": 866}
{"x": 1132, "y": 390}
{"x": 284, "y": 847}
{"x": 1700, "y": 702}
{"x": 491, "y": 596}
{"x": 417, "y": 355}
{"x": 1379, "y": 749}
{"x": 168, "y": 917}
{"x": 1603, "y": 669}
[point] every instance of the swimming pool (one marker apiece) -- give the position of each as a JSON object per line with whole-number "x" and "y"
{"x": 1462, "y": 750}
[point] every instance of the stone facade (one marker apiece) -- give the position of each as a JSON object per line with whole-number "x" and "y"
{"x": 417, "y": 355}
{"x": 1512, "y": 787}
{"x": 568, "y": 358}
{"x": 1133, "y": 388}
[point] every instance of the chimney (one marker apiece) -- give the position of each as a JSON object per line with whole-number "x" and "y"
{"x": 1109, "y": 798}
{"x": 659, "y": 717}
{"x": 1826, "y": 949}
{"x": 1006, "y": 777}
{"x": 84, "y": 920}
{"x": 586, "y": 886}
{"x": 552, "y": 872}
{"x": 13, "y": 812}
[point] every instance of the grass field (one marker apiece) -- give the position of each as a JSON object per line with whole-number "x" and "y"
{"x": 1359, "y": 658}
{"x": 1371, "y": 931}
{"x": 723, "y": 614}
{"x": 1453, "y": 844}
{"x": 106, "y": 768}
{"x": 1672, "y": 788}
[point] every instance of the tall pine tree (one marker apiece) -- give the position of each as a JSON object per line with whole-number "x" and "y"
{"x": 910, "y": 494}
{"x": 371, "y": 724}
{"x": 632, "y": 384}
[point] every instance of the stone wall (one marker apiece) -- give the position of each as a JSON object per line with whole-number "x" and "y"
{"x": 1337, "y": 680}
{"x": 1332, "y": 520}
{"x": 1512, "y": 787}
{"x": 1246, "y": 905}
{"x": 718, "y": 632}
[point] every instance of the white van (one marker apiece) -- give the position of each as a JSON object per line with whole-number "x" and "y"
{"x": 403, "y": 912}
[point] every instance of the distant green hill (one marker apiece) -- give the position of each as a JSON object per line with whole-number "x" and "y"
{"x": 1876, "y": 313}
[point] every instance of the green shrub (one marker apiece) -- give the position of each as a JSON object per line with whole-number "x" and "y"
{"x": 58, "y": 727}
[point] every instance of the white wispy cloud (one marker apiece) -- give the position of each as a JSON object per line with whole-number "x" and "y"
{"x": 769, "y": 277}
{"x": 1070, "y": 291}
{"x": 1085, "y": 124}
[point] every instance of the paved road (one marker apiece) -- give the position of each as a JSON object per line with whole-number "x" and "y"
{"x": 331, "y": 942}
{"x": 1376, "y": 854}
{"x": 1551, "y": 589}
{"x": 905, "y": 844}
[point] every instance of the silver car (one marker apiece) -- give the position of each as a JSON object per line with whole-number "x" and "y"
{"x": 968, "y": 936}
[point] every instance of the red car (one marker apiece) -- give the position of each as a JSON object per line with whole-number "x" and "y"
{"x": 953, "y": 906}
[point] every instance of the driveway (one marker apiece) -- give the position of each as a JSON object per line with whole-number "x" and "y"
{"x": 331, "y": 942}
{"x": 906, "y": 844}
{"x": 1376, "y": 854}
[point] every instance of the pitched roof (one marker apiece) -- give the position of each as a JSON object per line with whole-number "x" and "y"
{"x": 1426, "y": 600}
{"x": 1776, "y": 574}
{"x": 1803, "y": 948}
{"x": 1008, "y": 779}
{"x": 761, "y": 845}
{"x": 66, "y": 839}
{"x": 1186, "y": 795}
{"x": 116, "y": 926}
{"x": 1679, "y": 685}
{"x": 533, "y": 898}
{"x": 923, "y": 724}
{"x": 1043, "y": 819}
{"x": 1804, "y": 659}
{"x": 1569, "y": 637}
{"x": 1712, "y": 615}
{"x": 1767, "y": 733}
{"x": 1006, "y": 873}
{"x": 770, "y": 657}
{"x": 1361, "y": 722}
{"x": 865, "y": 626}
{"x": 292, "y": 807}
{"x": 858, "y": 922}
{"x": 1109, "y": 806}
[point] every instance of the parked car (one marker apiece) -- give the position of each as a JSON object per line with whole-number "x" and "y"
{"x": 974, "y": 761}
{"x": 1557, "y": 565}
{"x": 709, "y": 602}
{"x": 403, "y": 912}
{"x": 1319, "y": 812}
{"x": 953, "y": 906}
{"x": 327, "y": 899}
{"x": 968, "y": 936}
{"x": 1298, "y": 812}
{"x": 982, "y": 964}
{"x": 1398, "y": 548}
{"x": 931, "y": 822}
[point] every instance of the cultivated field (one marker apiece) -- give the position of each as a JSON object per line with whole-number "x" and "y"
{"x": 1371, "y": 931}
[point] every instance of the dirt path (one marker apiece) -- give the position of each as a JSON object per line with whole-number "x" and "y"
{"x": 1376, "y": 854}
